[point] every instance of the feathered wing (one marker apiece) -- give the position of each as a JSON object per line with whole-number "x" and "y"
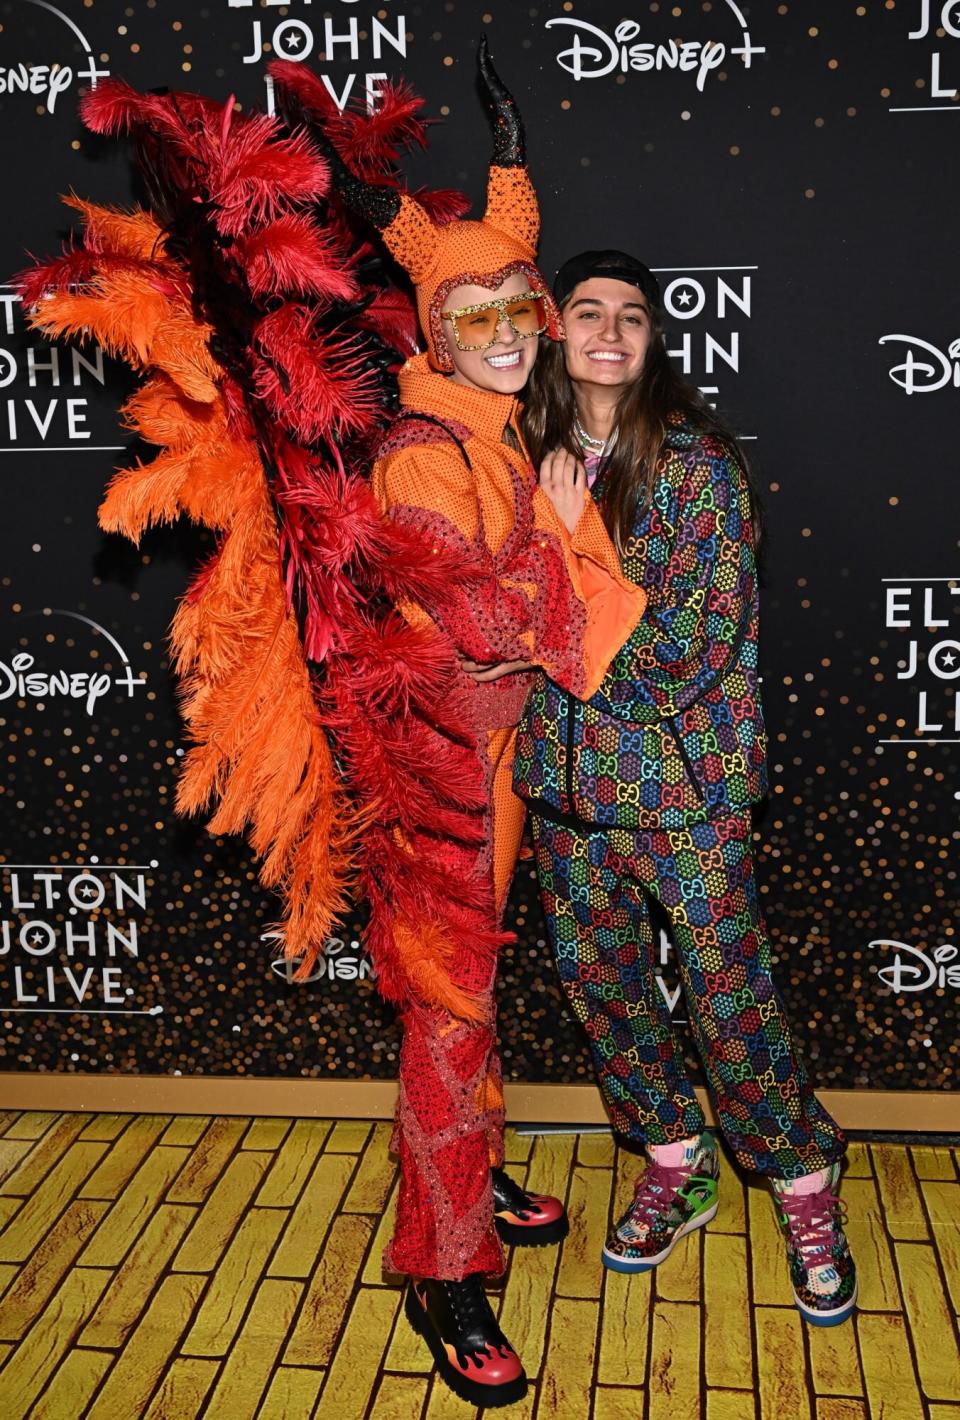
{"x": 259, "y": 752}
{"x": 320, "y": 723}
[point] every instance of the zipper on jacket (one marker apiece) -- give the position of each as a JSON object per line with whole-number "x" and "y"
{"x": 568, "y": 768}
{"x": 688, "y": 762}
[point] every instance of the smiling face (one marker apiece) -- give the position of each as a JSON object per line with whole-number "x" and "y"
{"x": 609, "y": 329}
{"x": 502, "y": 367}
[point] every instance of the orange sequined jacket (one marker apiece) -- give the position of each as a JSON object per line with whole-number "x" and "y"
{"x": 544, "y": 596}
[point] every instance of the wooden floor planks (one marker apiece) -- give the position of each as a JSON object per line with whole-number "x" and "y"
{"x": 194, "y": 1268}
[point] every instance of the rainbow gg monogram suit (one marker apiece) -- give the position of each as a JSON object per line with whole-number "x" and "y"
{"x": 644, "y": 791}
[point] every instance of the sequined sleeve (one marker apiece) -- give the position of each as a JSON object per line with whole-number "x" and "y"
{"x": 527, "y": 601}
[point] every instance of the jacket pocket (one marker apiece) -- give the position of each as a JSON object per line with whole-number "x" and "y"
{"x": 687, "y": 761}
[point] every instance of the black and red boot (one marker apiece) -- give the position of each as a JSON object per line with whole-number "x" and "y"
{"x": 471, "y": 1352}
{"x": 526, "y": 1219}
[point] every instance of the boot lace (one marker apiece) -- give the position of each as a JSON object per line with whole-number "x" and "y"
{"x": 470, "y": 1304}
{"x": 657, "y": 1187}
{"x": 811, "y": 1218}
{"x": 516, "y": 1198}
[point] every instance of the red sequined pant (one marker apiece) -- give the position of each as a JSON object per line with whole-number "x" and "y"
{"x": 449, "y": 1125}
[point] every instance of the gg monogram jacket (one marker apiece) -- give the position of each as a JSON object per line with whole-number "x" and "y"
{"x": 675, "y": 733}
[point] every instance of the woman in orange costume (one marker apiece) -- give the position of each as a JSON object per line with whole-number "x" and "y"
{"x": 228, "y": 297}
{"x": 547, "y": 591}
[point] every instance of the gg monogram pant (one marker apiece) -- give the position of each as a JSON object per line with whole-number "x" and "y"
{"x": 595, "y": 887}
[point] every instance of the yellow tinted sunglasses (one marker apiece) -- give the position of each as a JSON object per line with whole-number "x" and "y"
{"x": 475, "y": 327}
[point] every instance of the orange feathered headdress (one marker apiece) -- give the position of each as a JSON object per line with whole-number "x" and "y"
{"x": 479, "y": 253}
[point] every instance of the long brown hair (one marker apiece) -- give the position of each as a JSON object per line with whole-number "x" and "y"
{"x": 642, "y": 421}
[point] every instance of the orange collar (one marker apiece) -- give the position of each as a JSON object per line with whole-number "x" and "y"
{"x": 483, "y": 412}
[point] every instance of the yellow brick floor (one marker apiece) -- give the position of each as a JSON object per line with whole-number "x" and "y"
{"x": 172, "y": 1267}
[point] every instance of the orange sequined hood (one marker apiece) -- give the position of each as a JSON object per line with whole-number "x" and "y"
{"x": 439, "y": 256}
{"x": 476, "y": 253}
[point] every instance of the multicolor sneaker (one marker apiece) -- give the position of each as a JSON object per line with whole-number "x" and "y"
{"x": 823, "y": 1274}
{"x": 672, "y": 1197}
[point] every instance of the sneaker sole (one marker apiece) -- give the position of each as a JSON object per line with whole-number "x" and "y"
{"x": 543, "y": 1236}
{"x": 626, "y": 1264}
{"x": 834, "y": 1318}
{"x": 489, "y": 1396}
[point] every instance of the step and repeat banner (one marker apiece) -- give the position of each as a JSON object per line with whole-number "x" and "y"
{"x": 790, "y": 171}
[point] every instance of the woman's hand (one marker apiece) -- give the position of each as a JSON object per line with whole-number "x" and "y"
{"x": 481, "y": 673}
{"x": 563, "y": 479}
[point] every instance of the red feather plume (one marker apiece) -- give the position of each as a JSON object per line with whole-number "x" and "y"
{"x": 289, "y": 256}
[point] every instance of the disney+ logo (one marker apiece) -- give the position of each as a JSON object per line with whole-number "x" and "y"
{"x": 339, "y": 961}
{"x": 594, "y": 53}
{"x": 49, "y": 81}
{"x": 914, "y": 970}
{"x": 924, "y": 368}
{"x": 22, "y": 680}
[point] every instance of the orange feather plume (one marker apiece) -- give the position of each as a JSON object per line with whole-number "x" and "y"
{"x": 260, "y": 759}
{"x": 259, "y": 755}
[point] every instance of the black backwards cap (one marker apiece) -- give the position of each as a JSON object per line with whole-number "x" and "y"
{"x": 610, "y": 265}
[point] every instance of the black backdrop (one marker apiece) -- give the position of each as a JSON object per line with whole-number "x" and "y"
{"x": 790, "y": 169}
